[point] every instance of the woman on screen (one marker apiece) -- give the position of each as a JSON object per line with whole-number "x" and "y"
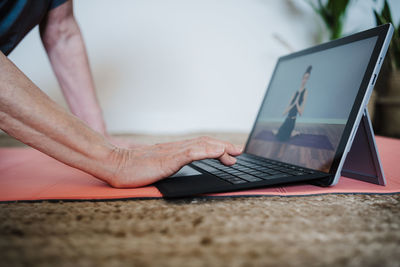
{"x": 296, "y": 106}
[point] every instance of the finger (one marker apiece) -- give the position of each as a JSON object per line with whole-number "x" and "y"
{"x": 199, "y": 151}
{"x": 200, "y": 148}
{"x": 226, "y": 159}
{"x": 231, "y": 149}
{"x": 182, "y": 144}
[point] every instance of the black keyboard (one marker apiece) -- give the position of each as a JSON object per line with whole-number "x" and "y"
{"x": 250, "y": 170}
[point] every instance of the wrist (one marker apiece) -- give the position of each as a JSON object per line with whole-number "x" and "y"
{"x": 114, "y": 164}
{"x": 102, "y": 160}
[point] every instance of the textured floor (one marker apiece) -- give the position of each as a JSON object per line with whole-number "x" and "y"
{"x": 329, "y": 230}
{"x": 344, "y": 230}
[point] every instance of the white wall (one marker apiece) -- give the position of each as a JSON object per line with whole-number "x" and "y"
{"x": 183, "y": 65}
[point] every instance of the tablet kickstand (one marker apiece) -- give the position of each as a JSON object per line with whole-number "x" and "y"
{"x": 362, "y": 161}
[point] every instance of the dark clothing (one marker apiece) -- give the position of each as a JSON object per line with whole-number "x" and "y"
{"x": 293, "y": 111}
{"x": 285, "y": 131}
{"x": 18, "y": 17}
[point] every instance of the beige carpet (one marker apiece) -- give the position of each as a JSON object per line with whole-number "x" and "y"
{"x": 330, "y": 230}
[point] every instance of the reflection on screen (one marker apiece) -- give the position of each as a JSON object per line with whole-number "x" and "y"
{"x": 308, "y": 103}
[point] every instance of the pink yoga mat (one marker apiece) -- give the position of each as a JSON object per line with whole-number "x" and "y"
{"x": 27, "y": 174}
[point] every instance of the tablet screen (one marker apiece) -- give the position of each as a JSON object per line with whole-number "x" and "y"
{"x": 308, "y": 103}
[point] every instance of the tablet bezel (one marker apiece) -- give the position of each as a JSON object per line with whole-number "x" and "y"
{"x": 379, "y": 51}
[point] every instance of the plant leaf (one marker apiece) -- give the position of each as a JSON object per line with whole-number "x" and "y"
{"x": 379, "y": 20}
{"x": 386, "y": 12}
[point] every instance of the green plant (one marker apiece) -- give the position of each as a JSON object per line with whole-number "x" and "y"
{"x": 383, "y": 17}
{"x": 333, "y": 13}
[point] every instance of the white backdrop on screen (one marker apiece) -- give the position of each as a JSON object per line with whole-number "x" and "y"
{"x": 182, "y": 65}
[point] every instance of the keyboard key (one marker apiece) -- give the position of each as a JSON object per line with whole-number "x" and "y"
{"x": 247, "y": 169}
{"x": 274, "y": 172}
{"x": 260, "y": 174}
{"x": 249, "y": 178}
{"x": 225, "y": 174}
{"x": 205, "y": 167}
{"x": 233, "y": 180}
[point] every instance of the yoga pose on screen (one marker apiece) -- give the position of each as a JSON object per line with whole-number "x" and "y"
{"x": 296, "y": 106}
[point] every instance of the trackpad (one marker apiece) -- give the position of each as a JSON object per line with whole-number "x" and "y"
{"x": 186, "y": 171}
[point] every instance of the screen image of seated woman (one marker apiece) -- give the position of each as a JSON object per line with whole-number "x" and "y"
{"x": 295, "y": 107}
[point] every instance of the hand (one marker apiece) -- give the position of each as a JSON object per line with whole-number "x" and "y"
{"x": 124, "y": 142}
{"x": 146, "y": 165}
{"x": 299, "y": 109}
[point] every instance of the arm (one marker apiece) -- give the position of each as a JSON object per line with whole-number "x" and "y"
{"x": 30, "y": 116}
{"x": 290, "y": 106}
{"x": 300, "y": 108}
{"x": 27, "y": 114}
{"x": 65, "y": 48}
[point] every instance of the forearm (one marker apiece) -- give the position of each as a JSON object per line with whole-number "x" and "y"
{"x": 287, "y": 110}
{"x": 298, "y": 108}
{"x": 27, "y": 114}
{"x": 30, "y": 116}
{"x": 68, "y": 57}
